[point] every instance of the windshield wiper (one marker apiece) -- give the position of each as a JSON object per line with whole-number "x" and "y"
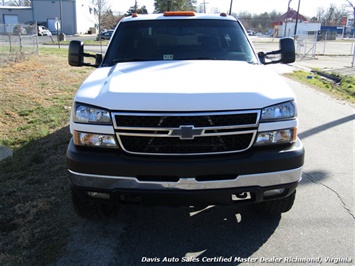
{"x": 204, "y": 58}
{"x": 125, "y": 60}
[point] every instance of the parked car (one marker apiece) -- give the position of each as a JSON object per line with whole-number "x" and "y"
{"x": 43, "y": 31}
{"x": 106, "y": 35}
{"x": 250, "y": 32}
{"x": 18, "y": 28}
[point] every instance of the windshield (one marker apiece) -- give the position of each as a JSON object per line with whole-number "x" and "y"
{"x": 151, "y": 40}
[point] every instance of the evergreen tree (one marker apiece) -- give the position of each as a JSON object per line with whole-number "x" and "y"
{"x": 136, "y": 9}
{"x": 161, "y": 6}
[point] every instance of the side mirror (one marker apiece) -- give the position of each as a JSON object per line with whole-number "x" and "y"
{"x": 287, "y": 52}
{"x": 287, "y": 48}
{"x": 76, "y": 53}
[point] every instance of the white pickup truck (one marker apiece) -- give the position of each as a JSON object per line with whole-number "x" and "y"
{"x": 182, "y": 111}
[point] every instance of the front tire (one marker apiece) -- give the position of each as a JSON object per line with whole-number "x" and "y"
{"x": 278, "y": 206}
{"x": 87, "y": 207}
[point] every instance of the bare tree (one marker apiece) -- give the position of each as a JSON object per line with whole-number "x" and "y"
{"x": 200, "y": 8}
{"x": 330, "y": 16}
{"x": 108, "y": 19}
{"x": 353, "y": 7}
{"x": 19, "y": 3}
{"x": 320, "y": 13}
{"x": 215, "y": 10}
{"x": 259, "y": 22}
{"x": 101, "y": 6}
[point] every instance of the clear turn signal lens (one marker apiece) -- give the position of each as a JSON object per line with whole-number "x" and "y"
{"x": 277, "y": 137}
{"x": 94, "y": 140}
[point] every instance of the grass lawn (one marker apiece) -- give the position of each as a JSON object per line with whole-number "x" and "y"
{"x": 35, "y": 104}
{"x": 343, "y": 90}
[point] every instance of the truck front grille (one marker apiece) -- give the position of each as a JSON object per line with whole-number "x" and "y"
{"x": 186, "y": 133}
{"x": 213, "y": 144}
{"x": 207, "y": 120}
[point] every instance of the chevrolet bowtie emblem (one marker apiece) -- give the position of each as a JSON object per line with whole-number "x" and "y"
{"x": 186, "y": 132}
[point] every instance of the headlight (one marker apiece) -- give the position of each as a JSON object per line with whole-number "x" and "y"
{"x": 280, "y": 111}
{"x": 89, "y": 114}
{"x": 94, "y": 140}
{"x": 276, "y": 137}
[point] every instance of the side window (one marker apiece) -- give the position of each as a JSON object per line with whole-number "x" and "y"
{"x": 238, "y": 45}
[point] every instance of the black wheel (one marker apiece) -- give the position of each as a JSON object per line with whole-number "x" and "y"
{"x": 87, "y": 207}
{"x": 278, "y": 206}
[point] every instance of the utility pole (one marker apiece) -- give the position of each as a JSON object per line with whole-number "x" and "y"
{"x": 135, "y": 6}
{"x": 204, "y": 6}
{"x": 298, "y": 11}
{"x": 60, "y": 15}
{"x": 230, "y": 8}
{"x": 61, "y": 36}
{"x": 288, "y": 9}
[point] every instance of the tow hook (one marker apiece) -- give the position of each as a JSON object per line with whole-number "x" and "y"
{"x": 241, "y": 196}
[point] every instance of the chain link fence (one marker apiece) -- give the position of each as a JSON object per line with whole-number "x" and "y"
{"x": 306, "y": 45}
{"x": 17, "y": 41}
{"x": 310, "y": 45}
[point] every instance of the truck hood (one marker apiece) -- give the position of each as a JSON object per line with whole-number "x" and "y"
{"x": 207, "y": 85}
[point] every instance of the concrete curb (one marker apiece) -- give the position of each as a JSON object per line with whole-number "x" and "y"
{"x": 5, "y": 153}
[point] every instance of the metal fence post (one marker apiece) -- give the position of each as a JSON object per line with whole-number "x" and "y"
{"x": 352, "y": 62}
{"x": 325, "y": 41}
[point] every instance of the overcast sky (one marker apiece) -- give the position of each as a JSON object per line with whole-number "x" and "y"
{"x": 307, "y": 7}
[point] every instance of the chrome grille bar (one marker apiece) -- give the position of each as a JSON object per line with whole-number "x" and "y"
{"x": 186, "y": 138}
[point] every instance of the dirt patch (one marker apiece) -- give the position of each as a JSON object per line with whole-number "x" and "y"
{"x": 35, "y": 209}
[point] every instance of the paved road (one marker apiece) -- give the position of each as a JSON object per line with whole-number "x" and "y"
{"x": 320, "y": 227}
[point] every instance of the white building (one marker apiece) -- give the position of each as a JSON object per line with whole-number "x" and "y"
{"x": 285, "y": 25}
{"x": 75, "y": 16}
{"x": 303, "y": 28}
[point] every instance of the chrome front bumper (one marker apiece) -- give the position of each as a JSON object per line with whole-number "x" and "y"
{"x": 105, "y": 182}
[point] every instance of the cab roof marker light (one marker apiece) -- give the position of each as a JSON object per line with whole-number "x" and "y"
{"x": 179, "y": 13}
{"x": 223, "y": 14}
{"x": 134, "y": 15}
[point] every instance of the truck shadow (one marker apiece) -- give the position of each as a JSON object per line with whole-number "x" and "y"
{"x": 318, "y": 129}
{"x": 313, "y": 177}
{"x": 181, "y": 233}
{"x": 186, "y": 235}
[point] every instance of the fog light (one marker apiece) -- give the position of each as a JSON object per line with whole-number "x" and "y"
{"x": 273, "y": 192}
{"x": 99, "y": 195}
